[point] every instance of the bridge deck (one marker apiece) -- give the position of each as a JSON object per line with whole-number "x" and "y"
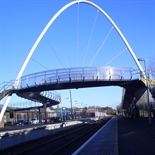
{"x": 30, "y": 86}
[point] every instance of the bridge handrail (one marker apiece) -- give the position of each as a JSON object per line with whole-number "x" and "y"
{"x": 6, "y": 85}
{"x": 49, "y": 94}
{"x": 76, "y": 74}
{"x": 52, "y": 95}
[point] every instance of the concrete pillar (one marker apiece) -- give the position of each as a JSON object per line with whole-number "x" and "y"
{"x": 27, "y": 115}
{"x": 129, "y": 111}
{"x": 45, "y": 113}
{"x": 39, "y": 115}
{"x": 32, "y": 115}
{"x": 134, "y": 102}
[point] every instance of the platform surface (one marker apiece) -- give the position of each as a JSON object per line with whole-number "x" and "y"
{"x": 122, "y": 136}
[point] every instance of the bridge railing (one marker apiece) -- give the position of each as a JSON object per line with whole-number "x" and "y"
{"x": 23, "y": 104}
{"x": 71, "y": 75}
{"x": 52, "y": 95}
{"x": 77, "y": 75}
{"x": 12, "y": 85}
{"x": 6, "y": 85}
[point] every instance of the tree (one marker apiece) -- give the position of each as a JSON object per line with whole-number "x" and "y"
{"x": 151, "y": 68}
{"x": 119, "y": 109}
{"x": 109, "y": 110}
{"x": 58, "y": 107}
{"x": 11, "y": 113}
{"x": 84, "y": 111}
{"x": 143, "y": 98}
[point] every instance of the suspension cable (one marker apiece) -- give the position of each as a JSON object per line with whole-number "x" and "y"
{"x": 77, "y": 44}
{"x": 90, "y": 38}
{"x": 39, "y": 63}
{"x": 115, "y": 57}
{"x": 54, "y": 52}
{"x": 64, "y": 38}
{"x": 101, "y": 45}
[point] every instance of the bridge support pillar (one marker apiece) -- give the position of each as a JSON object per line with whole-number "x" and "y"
{"x": 129, "y": 111}
{"x": 39, "y": 115}
{"x": 27, "y": 116}
{"x": 134, "y": 103}
{"x": 45, "y": 113}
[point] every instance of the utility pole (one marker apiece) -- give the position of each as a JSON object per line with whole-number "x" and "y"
{"x": 71, "y": 104}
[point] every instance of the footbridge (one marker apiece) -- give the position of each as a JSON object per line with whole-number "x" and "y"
{"x": 37, "y": 86}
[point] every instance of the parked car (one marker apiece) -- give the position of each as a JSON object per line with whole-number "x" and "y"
{"x": 34, "y": 121}
{"x": 8, "y": 123}
{"x": 23, "y": 122}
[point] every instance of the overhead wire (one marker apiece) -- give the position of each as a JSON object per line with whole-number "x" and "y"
{"x": 90, "y": 37}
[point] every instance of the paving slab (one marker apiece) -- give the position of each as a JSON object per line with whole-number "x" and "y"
{"x": 135, "y": 137}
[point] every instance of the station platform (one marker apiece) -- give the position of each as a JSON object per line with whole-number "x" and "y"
{"x": 103, "y": 142}
{"x": 14, "y": 135}
{"x": 136, "y": 136}
{"x": 121, "y": 136}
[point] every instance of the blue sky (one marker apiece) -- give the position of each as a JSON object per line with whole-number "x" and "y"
{"x": 21, "y": 22}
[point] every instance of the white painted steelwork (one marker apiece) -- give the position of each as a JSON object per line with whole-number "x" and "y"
{"x": 78, "y": 75}
{"x": 46, "y": 28}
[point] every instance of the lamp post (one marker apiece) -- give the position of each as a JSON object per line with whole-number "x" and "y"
{"x": 75, "y": 109}
{"x": 149, "y": 112}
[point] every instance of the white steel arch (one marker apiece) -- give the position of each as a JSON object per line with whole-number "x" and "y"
{"x": 46, "y": 28}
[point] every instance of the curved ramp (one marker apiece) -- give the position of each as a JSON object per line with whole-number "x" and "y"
{"x": 5, "y": 93}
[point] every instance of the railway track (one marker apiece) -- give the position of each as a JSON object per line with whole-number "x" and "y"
{"x": 64, "y": 142}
